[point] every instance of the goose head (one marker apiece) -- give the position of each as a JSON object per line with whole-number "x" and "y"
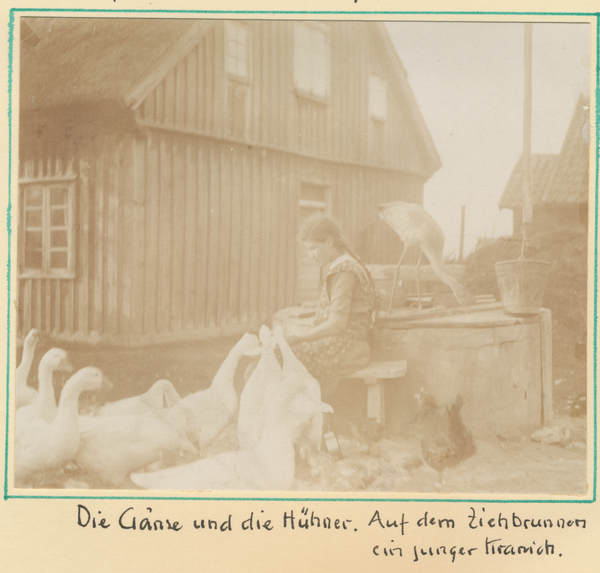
{"x": 165, "y": 390}
{"x": 87, "y": 379}
{"x": 56, "y": 359}
{"x": 264, "y": 342}
{"x": 248, "y": 343}
{"x": 31, "y": 340}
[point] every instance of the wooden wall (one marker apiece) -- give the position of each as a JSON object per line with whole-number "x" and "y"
{"x": 185, "y": 230}
{"x": 97, "y": 301}
{"x": 193, "y": 96}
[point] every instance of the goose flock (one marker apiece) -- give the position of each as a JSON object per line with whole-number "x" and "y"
{"x": 158, "y": 440}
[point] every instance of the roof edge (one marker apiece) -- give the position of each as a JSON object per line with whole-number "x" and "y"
{"x": 137, "y": 93}
{"x": 432, "y": 158}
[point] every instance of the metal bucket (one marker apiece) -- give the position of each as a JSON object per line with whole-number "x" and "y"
{"x": 522, "y": 284}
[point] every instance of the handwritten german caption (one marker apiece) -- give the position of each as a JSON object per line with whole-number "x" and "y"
{"x": 484, "y": 532}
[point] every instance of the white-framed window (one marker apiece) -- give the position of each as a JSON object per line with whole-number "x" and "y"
{"x": 237, "y": 49}
{"x": 312, "y": 59}
{"x": 46, "y": 232}
{"x": 377, "y": 97}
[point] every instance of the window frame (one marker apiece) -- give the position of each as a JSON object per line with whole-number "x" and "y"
{"x": 46, "y": 271}
{"x": 303, "y": 91}
{"x": 229, "y": 25}
{"x": 373, "y": 115}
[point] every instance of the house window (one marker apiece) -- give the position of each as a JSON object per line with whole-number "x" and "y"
{"x": 237, "y": 50}
{"x": 311, "y": 59}
{"x": 377, "y": 97}
{"x": 46, "y": 247}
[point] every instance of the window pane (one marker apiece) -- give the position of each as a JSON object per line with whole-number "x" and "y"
{"x": 58, "y": 217}
{"x": 58, "y": 259}
{"x": 33, "y": 218}
{"x": 377, "y": 97}
{"x": 34, "y": 196}
{"x": 311, "y": 60}
{"x": 237, "y": 49}
{"x": 58, "y": 239}
{"x": 59, "y": 195}
{"x": 33, "y": 259}
{"x": 33, "y": 240}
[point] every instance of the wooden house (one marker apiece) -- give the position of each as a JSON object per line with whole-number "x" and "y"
{"x": 165, "y": 167}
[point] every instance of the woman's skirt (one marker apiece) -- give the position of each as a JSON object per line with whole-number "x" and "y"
{"x": 332, "y": 358}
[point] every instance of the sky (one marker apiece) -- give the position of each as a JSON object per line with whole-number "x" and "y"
{"x": 468, "y": 81}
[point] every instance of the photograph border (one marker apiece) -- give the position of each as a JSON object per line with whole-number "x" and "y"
{"x": 375, "y": 496}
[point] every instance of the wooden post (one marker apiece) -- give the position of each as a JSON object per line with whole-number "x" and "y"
{"x": 527, "y": 199}
{"x": 546, "y": 339}
{"x": 462, "y": 234}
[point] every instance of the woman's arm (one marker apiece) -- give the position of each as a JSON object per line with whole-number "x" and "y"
{"x": 342, "y": 290}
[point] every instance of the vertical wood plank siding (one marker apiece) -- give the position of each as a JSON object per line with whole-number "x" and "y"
{"x": 179, "y": 231}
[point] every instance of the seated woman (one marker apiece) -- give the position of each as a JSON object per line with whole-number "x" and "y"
{"x": 338, "y": 342}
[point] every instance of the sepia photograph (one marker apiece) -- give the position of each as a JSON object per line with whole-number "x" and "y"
{"x": 301, "y": 255}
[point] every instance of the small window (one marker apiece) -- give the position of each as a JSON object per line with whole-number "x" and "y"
{"x": 46, "y": 243}
{"x": 237, "y": 50}
{"x": 377, "y": 97}
{"x": 311, "y": 59}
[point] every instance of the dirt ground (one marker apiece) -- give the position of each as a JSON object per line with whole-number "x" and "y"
{"x": 392, "y": 464}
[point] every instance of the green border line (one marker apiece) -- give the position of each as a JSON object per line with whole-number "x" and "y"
{"x": 11, "y": 25}
{"x": 311, "y": 12}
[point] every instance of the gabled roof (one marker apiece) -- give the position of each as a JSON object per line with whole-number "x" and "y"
{"x": 401, "y": 77}
{"x": 557, "y": 179}
{"x": 542, "y": 167}
{"x": 104, "y": 59}
{"x": 114, "y": 63}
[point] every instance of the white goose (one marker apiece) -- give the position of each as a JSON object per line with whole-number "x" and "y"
{"x": 266, "y": 375}
{"x": 46, "y": 446}
{"x": 268, "y": 466}
{"x": 209, "y": 411}
{"x": 160, "y": 395}
{"x": 309, "y": 426}
{"x": 44, "y": 407}
{"x": 26, "y": 394}
{"x": 111, "y": 447}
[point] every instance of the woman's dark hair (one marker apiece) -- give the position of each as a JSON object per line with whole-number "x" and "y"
{"x": 319, "y": 228}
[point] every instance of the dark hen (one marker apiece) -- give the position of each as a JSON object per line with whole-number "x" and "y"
{"x": 445, "y": 441}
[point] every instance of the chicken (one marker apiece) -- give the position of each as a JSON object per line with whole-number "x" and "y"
{"x": 445, "y": 441}
{"x": 371, "y": 430}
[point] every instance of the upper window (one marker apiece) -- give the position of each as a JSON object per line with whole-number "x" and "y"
{"x": 237, "y": 49}
{"x": 377, "y": 97}
{"x": 311, "y": 59}
{"x": 47, "y": 215}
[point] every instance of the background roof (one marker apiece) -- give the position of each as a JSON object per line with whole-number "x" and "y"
{"x": 561, "y": 178}
{"x": 101, "y": 57}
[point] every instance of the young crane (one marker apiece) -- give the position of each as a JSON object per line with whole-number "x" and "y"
{"x": 417, "y": 228}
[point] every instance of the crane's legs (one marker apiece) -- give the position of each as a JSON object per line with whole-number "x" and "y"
{"x": 396, "y": 279}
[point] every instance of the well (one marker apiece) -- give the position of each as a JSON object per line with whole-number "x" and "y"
{"x": 500, "y": 364}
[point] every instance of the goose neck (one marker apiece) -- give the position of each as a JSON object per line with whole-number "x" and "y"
{"x": 46, "y": 388}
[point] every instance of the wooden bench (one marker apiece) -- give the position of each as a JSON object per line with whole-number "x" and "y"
{"x": 374, "y": 376}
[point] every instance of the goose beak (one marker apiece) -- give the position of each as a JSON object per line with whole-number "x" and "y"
{"x": 106, "y": 385}
{"x": 67, "y": 366}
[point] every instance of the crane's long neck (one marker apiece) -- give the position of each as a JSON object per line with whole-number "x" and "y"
{"x": 460, "y": 292}
{"x": 46, "y": 402}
